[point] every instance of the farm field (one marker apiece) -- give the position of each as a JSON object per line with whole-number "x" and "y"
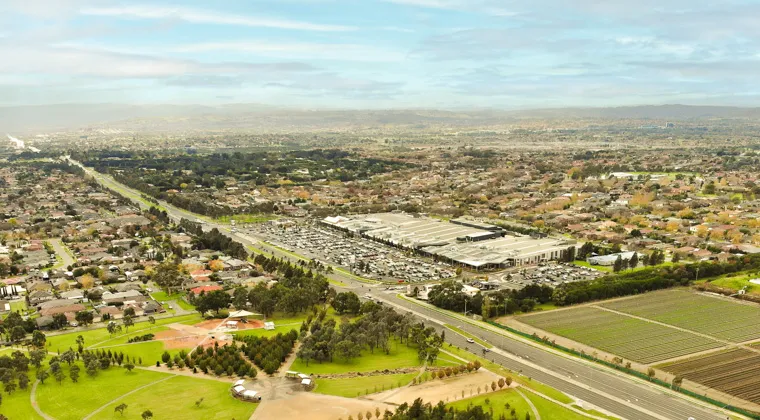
{"x": 630, "y": 338}
{"x": 735, "y": 372}
{"x": 737, "y": 322}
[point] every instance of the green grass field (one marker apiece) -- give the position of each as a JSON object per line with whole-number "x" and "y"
{"x": 16, "y": 406}
{"x": 550, "y": 410}
{"x": 260, "y": 332}
{"x": 149, "y": 351}
{"x": 714, "y": 316}
{"x": 737, "y": 281}
{"x": 175, "y": 399}
{"x": 400, "y": 356}
{"x": 75, "y": 401}
{"x": 630, "y": 338}
{"x": 178, "y": 297}
{"x": 353, "y": 387}
{"x": 497, "y": 403}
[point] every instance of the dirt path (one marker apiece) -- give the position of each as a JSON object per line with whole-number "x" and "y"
{"x": 33, "y": 401}
{"x": 189, "y": 372}
{"x": 533, "y": 408}
{"x": 97, "y": 410}
{"x": 289, "y": 361}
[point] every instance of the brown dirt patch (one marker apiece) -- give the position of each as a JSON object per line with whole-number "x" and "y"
{"x": 182, "y": 342}
{"x": 315, "y": 407}
{"x": 251, "y": 324}
{"x": 209, "y": 324}
{"x": 449, "y": 389}
{"x": 168, "y": 334}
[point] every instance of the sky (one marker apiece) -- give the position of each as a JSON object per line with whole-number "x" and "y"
{"x": 370, "y": 54}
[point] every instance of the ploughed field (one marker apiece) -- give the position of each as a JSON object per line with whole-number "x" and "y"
{"x": 666, "y": 327}
{"x": 624, "y": 336}
{"x": 735, "y": 372}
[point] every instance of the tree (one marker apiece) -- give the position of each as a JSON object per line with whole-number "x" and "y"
{"x": 618, "y": 265}
{"x": 59, "y": 375}
{"x": 347, "y": 302}
{"x": 212, "y": 301}
{"x": 59, "y": 321}
{"x": 84, "y": 317}
{"x": 167, "y": 276}
{"x": 508, "y": 380}
{"x": 501, "y": 383}
{"x": 634, "y": 261}
{"x": 347, "y": 350}
{"x": 129, "y": 312}
{"x": 36, "y": 357}
{"x": 676, "y": 257}
{"x": 128, "y": 321}
{"x": 651, "y": 373}
{"x": 87, "y": 281}
{"x": 42, "y": 374}
{"x": 147, "y": 414}
{"x": 120, "y": 408}
{"x": 113, "y": 328}
{"x": 151, "y": 320}
{"x": 74, "y": 373}
{"x": 17, "y": 333}
{"x": 240, "y": 298}
{"x": 129, "y": 366}
{"x": 677, "y": 382}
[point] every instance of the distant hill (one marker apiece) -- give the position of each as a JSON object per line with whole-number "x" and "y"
{"x": 266, "y": 118}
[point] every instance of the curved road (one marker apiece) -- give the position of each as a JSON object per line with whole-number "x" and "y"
{"x": 605, "y": 388}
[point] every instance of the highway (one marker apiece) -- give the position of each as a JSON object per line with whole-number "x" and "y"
{"x": 605, "y": 388}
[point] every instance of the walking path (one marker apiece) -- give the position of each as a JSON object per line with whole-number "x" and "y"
{"x": 33, "y": 401}
{"x": 99, "y": 409}
{"x": 536, "y": 415}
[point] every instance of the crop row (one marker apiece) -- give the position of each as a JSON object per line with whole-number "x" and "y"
{"x": 624, "y": 336}
{"x": 717, "y": 317}
{"x": 735, "y": 372}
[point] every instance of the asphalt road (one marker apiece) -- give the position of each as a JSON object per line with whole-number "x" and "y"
{"x": 599, "y": 386}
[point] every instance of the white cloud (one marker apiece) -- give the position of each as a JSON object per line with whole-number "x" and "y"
{"x": 208, "y": 17}
{"x": 491, "y": 7}
{"x": 338, "y": 52}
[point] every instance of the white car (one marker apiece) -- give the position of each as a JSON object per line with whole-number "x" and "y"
{"x": 470, "y": 340}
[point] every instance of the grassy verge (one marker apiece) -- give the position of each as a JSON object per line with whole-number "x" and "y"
{"x": 594, "y": 413}
{"x": 550, "y": 410}
{"x": 502, "y": 371}
{"x": 177, "y": 297}
{"x": 468, "y": 335}
{"x": 362, "y": 385}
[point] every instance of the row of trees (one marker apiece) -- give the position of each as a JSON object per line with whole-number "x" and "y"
{"x": 269, "y": 353}
{"x": 648, "y": 279}
{"x": 213, "y": 239}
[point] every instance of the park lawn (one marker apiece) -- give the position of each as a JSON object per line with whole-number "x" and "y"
{"x": 468, "y": 335}
{"x": 550, "y": 410}
{"x": 18, "y": 306}
{"x": 497, "y": 401}
{"x": 400, "y": 356}
{"x": 97, "y": 337}
{"x": 175, "y": 399}
{"x": 16, "y": 406}
{"x": 504, "y": 372}
{"x": 124, "y": 337}
{"x": 75, "y": 401}
{"x": 362, "y": 385}
{"x": 177, "y": 297}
